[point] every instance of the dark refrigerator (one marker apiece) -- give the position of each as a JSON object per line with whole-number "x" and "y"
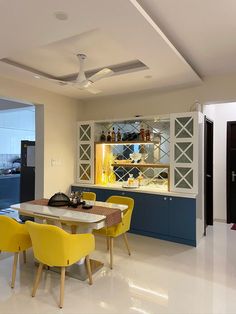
{"x": 27, "y": 178}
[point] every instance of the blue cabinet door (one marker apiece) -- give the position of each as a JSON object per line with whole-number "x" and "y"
{"x": 151, "y": 213}
{"x": 182, "y": 222}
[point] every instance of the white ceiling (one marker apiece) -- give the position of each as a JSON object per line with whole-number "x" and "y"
{"x": 111, "y": 32}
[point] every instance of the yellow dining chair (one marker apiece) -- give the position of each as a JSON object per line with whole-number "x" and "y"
{"x": 86, "y": 196}
{"x": 14, "y": 238}
{"x": 89, "y": 196}
{"x": 53, "y": 246}
{"x": 119, "y": 229}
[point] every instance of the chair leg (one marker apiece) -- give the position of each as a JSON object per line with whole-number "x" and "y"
{"x": 63, "y": 272}
{"x": 14, "y": 270}
{"x": 88, "y": 265}
{"x": 126, "y": 243}
{"x": 107, "y": 243}
{"x": 111, "y": 251}
{"x": 24, "y": 256}
{"x": 37, "y": 279}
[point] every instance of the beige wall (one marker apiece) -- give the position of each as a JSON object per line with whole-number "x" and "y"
{"x": 213, "y": 90}
{"x": 59, "y": 129}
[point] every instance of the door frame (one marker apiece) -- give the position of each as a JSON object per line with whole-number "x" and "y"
{"x": 228, "y": 176}
{"x": 208, "y": 121}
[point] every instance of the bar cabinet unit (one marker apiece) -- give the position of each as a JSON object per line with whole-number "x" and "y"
{"x": 156, "y": 161}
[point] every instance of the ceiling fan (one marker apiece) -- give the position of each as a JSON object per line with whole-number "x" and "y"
{"x": 81, "y": 81}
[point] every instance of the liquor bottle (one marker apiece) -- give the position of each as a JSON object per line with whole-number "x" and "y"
{"x": 113, "y": 135}
{"x": 142, "y": 133}
{"x": 109, "y": 136}
{"x": 147, "y": 134}
{"x": 140, "y": 179}
{"x": 118, "y": 136}
{"x": 103, "y": 137}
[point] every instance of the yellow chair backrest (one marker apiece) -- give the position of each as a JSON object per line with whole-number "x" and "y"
{"x": 89, "y": 196}
{"x": 126, "y": 220}
{"x": 14, "y": 236}
{"x": 55, "y": 247}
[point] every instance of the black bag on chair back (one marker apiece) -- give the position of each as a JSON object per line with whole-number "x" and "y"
{"x": 59, "y": 199}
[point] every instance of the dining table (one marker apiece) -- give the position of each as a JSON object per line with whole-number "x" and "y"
{"x": 101, "y": 214}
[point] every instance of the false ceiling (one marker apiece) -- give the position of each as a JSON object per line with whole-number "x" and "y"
{"x": 110, "y": 32}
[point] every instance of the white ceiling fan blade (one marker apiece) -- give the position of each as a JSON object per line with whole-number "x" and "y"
{"x": 101, "y": 74}
{"x": 59, "y": 82}
{"x": 88, "y": 86}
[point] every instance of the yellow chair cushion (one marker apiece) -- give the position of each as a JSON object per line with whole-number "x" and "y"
{"x": 14, "y": 236}
{"x": 55, "y": 247}
{"x": 124, "y": 225}
{"x": 89, "y": 196}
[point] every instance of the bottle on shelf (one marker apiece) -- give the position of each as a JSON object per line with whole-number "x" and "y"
{"x": 130, "y": 181}
{"x": 113, "y": 135}
{"x": 112, "y": 176}
{"x": 108, "y": 136}
{"x": 147, "y": 134}
{"x": 142, "y": 133}
{"x": 140, "y": 178}
{"x": 118, "y": 137}
{"x": 103, "y": 137}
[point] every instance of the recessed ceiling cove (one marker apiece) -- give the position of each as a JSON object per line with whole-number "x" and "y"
{"x": 118, "y": 35}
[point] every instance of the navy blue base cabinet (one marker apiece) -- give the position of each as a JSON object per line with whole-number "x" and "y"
{"x": 158, "y": 216}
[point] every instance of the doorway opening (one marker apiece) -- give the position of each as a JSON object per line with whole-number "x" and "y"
{"x": 208, "y": 172}
{"x": 21, "y": 123}
{"x": 223, "y": 115}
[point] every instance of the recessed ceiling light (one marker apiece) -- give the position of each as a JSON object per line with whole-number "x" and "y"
{"x": 147, "y": 76}
{"x": 61, "y": 15}
{"x": 37, "y": 76}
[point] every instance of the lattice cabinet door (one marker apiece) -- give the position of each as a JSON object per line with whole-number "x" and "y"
{"x": 85, "y": 152}
{"x": 184, "y": 152}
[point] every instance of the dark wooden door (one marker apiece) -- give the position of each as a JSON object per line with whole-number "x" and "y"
{"x": 231, "y": 172}
{"x": 208, "y": 173}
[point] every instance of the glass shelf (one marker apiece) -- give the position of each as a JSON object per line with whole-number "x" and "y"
{"x": 129, "y": 142}
{"x": 144, "y": 165}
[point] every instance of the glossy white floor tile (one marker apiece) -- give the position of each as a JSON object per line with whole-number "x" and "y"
{"x": 159, "y": 277}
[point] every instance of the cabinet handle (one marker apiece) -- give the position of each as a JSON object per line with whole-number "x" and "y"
{"x": 170, "y": 198}
{"x": 165, "y": 198}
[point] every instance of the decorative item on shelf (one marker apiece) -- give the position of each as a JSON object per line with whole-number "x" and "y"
{"x": 135, "y": 157}
{"x": 104, "y": 177}
{"x": 112, "y": 176}
{"x": 147, "y": 135}
{"x": 142, "y": 133}
{"x": 140, "y": 178}
{"x": 103, "y": 137}
{"x": 113, "y": 135}
{"x": 130, "y": 181}
{"x": 118, "y": 135}
{"x": 109, "y": 136}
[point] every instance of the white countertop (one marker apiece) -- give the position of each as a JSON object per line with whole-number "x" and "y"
{"x": 142, "y": 189}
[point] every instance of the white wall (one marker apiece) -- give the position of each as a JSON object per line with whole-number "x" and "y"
{"x": 16, "y": 125}
{"x": 56, "y": 134}
{"x": 212, "y": 90}
{"x": 220, "y": 114}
